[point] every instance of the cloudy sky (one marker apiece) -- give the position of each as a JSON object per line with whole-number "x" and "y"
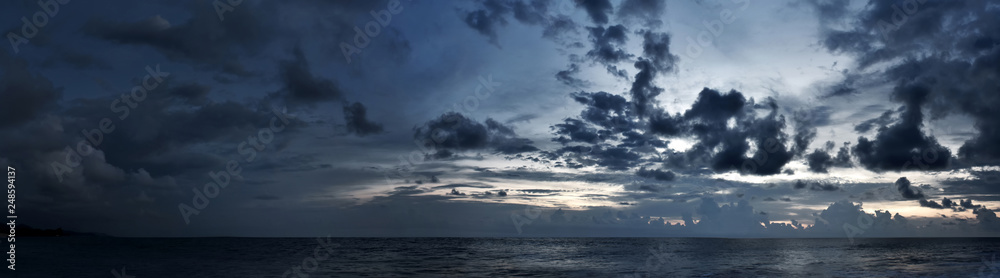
{"x": 735, "y": 118}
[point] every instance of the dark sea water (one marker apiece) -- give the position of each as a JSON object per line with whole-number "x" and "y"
{"x": 504, "y": 257}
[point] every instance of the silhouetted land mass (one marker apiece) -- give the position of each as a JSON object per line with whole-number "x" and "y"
{"x": 28, "y": 231}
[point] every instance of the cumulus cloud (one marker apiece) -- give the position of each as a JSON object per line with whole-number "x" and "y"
{"x": 946, "y": 203}
{"x": 816, "y": 185}
{"x": 301, "y": 86}
{"x": 607, "y": 44}
{"x": 598, "y": 10}
{"x": 723, "y": 147}
{"x": 657, "y": 174}
{"x": 202, "y": 40}
{"x": 24, "y": 95}
{"x": 356, "y": 117}
{"x": 907, "y": 191}
{"x": 453, "y": 132}
{"x": 656, "y": 47}
{"x": 490, "y": 15}
{"x": 567, "y": 77}
{"x": 904, "y": 146}
{"x": 819, "y": 161}
{"x": 954, "y": 83}
{"x": 720, "y": 145}
{"x": 649, "y": 12}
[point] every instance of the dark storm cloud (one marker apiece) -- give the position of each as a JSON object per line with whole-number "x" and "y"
{"x": 987, "y": 219}
{"x": 967, "y": 203}
{"x": 719, "y": 146}
{"x": 301, "y": 86}
{"x": 649, "y": 11}
{"x": 961, "y": 205}
{"x": 75, "y": 60}
{"x": 610, "y": 157}
{"x": 598, "y": 10}
{"x": 357, "y": 122}
{"x": 820, "y": 160}
{"x": 266, "y": 197}
{"x": 193, "y": 93}
{"x": 816, "y": 185}
{"x": 488, "y": 19}
{"x": 143, "y": 140}
{"x": 606, "y": 110}
{"x": 616, "y": 72}
{"x": 656, "y": 59}
{"x": 805, "y": 131}
{"x": 24, "y": 95}
{"x": 845, "y": 87}
{"x": 643, "y": 91}
{"x": 665, "y": 124}
{"x": 907, "y": 191}
{"x": 638, "y": 122}
{"x": 657, "y": 174}
{"x": 462, "y": 185}
{"x": 714, "y": 108}
{"x": 886, "y": 29}
{"x": 558, "y": 26}
{"x": 656, "y": 47}
{"x": 945, "y": 202}
{"x": 493, "y": 14}
{"x": 454, "y": 132}
{"x": 577, "y": 130}
{"x": 530, "y": 13}
{"x": 622, "y": 131}
{"x": 202, "y": 40}
{"x": 607, "y": 43}
{"x": 708, "y": 121}
{"x": 959, "y": 82}
{"x": 930, "y": 204}
{"x": 985, "y": 146}
{"x": 880, "y": 122}
{"x": 567, "y": 77}
{"x": 904, "y": 146}
{"x": 226, "y": 121}
{"x": 164, "y": 140}
{"x": 606, "y": 117}
{"x": 527, "y": 117}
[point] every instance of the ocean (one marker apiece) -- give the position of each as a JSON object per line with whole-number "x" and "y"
{"x": 84, "y": 256}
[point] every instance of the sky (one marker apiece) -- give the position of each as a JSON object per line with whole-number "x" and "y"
{"x": 705, "y": 118}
